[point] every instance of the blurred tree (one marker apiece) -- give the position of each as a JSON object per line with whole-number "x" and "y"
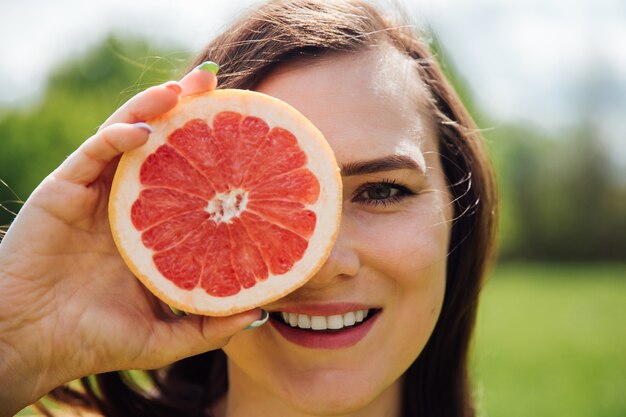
{"x": 560, "y": 201}
{"x": 78, "y": 98}
{"x": 561, "y": 197}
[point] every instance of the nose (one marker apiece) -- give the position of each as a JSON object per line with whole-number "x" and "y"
{"x": 343, "y": 261}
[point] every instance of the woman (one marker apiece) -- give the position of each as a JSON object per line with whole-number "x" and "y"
{"x": 415, "y": 240}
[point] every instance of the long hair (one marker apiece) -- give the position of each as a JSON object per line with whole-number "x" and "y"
{"x": 437, "y": 383}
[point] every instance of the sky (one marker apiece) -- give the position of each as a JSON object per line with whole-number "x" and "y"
{"x": 548, "y": 63}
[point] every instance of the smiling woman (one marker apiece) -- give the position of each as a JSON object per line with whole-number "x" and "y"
{"x": 389, "y": 261}
{"x": 382, "y": 328}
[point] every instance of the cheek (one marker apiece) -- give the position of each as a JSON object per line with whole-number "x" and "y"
{"x": 408, "y": 250}
{"x": 406, "y": 244}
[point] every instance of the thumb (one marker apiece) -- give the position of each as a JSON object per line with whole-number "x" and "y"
{"x": 191, "y": 335}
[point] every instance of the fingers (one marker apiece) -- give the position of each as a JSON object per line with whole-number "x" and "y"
{"x": 193, "y": 334}
{"x": 148, "y": 104}
{"x": 125, "y": 129}
{"x": 161, "y": 98}
{"x": 198, "y": 81}
{"x": 85, "y": 164}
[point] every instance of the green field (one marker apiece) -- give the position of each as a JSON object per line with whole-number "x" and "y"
{"x": 551, "y": 342}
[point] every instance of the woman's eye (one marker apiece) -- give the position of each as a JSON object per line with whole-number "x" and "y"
{"x": 381, "y": 193}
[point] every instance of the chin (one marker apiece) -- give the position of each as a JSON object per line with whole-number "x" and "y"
{"x": 329, "y": 403}
{"x": 331, "y": 394}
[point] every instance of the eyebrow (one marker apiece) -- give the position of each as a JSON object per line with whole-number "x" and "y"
{"x": 386, "y": 163}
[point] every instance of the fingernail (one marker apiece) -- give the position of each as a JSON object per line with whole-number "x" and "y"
{"x": 210, "y": 66}
{"x": 144, "y": 126}
{"x": 264, "y": 317}
{"x": 174, "y": 86}
{"x": 179, "y": 313}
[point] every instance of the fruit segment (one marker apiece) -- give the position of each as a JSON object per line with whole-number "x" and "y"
{"x": 280, "y": 248}
{"x": 182, "y": 264}
{"x": 290, "y": 215}
{"x": 171, "y": 232}
{"x": 299, "y": 186}
{"x": 196, "y": 142}
{"x": 227, "y": 139}
{"x": 168, "y": 168}
{"x": 245, "y": 256}
{"x": 155, "y": 205}
{"x": 278, "y": 154}
{"x": 252, "y": 133}
{"x": 218, "y": 275}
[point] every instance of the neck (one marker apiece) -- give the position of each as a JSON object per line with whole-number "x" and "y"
{"x": 246, "y": 398}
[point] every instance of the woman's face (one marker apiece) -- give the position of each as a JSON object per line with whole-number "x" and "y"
{"x": 390, "y": 255}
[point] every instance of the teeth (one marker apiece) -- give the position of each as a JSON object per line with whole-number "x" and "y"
{"x": 359, "y": 316}
{"x": 349, "y": 319}
{"x": 335, "y": 322}
{"x": 304, "y": 322}
{"x": 318, "y": 323}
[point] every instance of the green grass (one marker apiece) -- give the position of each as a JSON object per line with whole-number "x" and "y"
{"x": 551, "y": 341}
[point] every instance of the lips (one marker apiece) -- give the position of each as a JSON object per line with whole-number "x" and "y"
{"x": 326, "y": 327}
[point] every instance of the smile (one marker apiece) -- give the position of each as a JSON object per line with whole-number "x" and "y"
{"x": 333, "y": 331}
{"x": 335, "y": 322}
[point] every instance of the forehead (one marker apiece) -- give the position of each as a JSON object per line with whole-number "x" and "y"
{"x": 367, "y": 104}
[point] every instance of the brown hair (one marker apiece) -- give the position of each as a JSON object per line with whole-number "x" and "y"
{"x": 437, "y": 383}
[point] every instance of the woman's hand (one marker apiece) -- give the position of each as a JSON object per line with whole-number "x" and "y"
{"x": 69, "y": 306}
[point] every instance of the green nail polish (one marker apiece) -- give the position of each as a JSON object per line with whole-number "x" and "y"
{"x": 210, "y": 66}
{"x": 179, "y": 313}
{"x": 264, "y": 317}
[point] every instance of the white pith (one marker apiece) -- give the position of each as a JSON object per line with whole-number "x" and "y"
{"x": 224, "y": 206}
{"x": 333, "y": 322}
{"x": 126, "y": 189}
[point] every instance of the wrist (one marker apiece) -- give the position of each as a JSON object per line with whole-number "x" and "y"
{"x": 21, "y": 383}
{"x": 25, "y": 367}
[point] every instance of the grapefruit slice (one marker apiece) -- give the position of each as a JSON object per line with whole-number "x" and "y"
{"x": 233, "y": 202}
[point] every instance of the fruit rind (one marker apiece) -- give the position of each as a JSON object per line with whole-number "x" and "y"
{"x": 275, "y": 113}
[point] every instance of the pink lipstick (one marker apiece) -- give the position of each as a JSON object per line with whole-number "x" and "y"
{"x": 325, "y": 326}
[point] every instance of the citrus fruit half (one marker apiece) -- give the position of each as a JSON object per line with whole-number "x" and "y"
{"x": 233, "y": 202}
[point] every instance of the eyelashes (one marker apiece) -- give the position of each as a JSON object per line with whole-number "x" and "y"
{"x": 382, "y": 193}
